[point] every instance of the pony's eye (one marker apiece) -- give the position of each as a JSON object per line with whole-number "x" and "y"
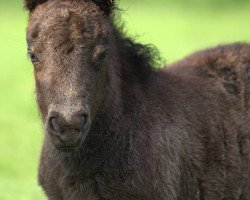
{"x": 101, "y": 58}
{"x": 33, "y": 57}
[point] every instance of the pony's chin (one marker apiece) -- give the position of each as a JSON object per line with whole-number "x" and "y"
{"x": 68, "y": 149}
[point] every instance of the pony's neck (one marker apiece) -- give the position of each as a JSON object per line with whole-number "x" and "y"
{"x": 128, "y": 89}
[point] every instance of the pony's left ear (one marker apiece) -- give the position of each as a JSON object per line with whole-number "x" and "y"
{"x": 31, "y": 4}
{"x": 107, "y": 6}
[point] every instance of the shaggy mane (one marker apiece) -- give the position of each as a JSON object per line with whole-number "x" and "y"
{"x": 143, "y": 56}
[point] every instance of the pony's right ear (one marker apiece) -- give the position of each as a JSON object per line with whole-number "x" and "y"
{"x": 32, "y": 4}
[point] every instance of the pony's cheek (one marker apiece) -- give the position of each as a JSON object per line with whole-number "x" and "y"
{"x": 38, "y": 67}
{"x": 97, "y": 98}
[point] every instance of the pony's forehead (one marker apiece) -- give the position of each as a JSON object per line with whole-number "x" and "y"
{"x": 78, "y": 18}
{"x": 65, "y": 9}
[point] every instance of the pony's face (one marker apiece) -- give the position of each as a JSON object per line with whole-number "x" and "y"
{"x": 69, "y": 46}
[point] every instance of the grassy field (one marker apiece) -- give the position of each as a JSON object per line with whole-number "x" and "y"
{"x": 177, "y": 29}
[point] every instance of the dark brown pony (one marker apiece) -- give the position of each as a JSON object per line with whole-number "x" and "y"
{"x": 119, "y": 129}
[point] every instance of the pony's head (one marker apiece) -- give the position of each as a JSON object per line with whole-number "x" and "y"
{"x": 69, "y": 43}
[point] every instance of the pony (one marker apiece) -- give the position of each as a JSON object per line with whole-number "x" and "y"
{"x": 116, "y": 128}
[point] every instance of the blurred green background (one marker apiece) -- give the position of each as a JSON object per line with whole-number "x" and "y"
{"x": 176, "y": 27}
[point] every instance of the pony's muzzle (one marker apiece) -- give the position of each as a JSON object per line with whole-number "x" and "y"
{"x": 68, "y": 132}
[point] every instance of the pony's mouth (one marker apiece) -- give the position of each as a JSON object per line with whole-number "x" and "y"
{"x": 70, "y": 141}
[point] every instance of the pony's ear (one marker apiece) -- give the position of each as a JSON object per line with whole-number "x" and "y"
{"x": 106, "y": 6}
{"x": 31, "y": 4}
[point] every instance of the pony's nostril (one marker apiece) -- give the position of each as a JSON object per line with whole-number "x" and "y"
{"x": 84, "y": 119}
{"x": 53, "y": 125}
{"x": 78, "y": 122}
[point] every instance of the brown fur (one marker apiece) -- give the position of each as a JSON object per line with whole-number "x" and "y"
{"x": 177, "y": 133}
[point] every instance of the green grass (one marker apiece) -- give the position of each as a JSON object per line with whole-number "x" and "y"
{"x": 20, "y": 130}
{"x": 176, "y": 29}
